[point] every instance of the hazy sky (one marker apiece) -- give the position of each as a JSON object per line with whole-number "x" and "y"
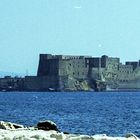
{"x": 76, "y": 27}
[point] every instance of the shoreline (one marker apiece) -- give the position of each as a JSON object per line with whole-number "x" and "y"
{"x": 47, "y": 130}
{"x": 112, "y": 91}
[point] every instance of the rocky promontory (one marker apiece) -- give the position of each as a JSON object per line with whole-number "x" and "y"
{"x": 47, "y": 130}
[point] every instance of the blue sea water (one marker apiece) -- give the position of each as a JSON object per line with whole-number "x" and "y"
{"x": 111, "y": 113}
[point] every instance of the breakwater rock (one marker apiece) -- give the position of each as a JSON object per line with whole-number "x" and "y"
{"x": 12, "y": 131}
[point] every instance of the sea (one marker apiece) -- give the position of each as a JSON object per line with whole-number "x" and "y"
{"x": 111, "y": 113}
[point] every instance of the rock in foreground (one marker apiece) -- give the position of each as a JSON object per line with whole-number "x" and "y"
{"x": 9, "y": 125}
{"x": 47, "y": 125}
{"x": 22, "y": 133}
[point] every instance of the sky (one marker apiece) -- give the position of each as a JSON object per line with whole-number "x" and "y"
{"x": 70, "y": 27}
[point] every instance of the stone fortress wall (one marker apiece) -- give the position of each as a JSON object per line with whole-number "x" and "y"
{"x": 62, "y": 65}
{"x": 68, "y": 70}
{"x": 72, "y": 73}
{"x": 72, "y": 70}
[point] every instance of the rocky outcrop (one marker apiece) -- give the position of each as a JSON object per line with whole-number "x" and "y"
{"x": 47, "y": 125}
{"x": 9, "y": 125}
{"x": 8, "y": 131}
{"x": 53, "y": 135}
{"x": 72, "y": 84}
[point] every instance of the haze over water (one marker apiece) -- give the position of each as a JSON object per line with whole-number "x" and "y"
{"x": 112, "y": 113}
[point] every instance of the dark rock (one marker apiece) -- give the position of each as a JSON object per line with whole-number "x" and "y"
{"x": 47, "y": 125}
{"x": 66, "y": 132}
{"x": 16, "y": 126}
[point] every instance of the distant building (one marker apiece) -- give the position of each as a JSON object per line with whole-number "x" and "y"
{"x": 11, "y": 83}
{"x": 62, "y": 72}
{"x": 134, "y": 64}
{"x": 60, "y": 65}
{"x": 72, "y": 73}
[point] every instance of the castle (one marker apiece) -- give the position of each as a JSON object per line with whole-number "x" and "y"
{"x": 64, "y": 72}
{"x": 82, "y": 73}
